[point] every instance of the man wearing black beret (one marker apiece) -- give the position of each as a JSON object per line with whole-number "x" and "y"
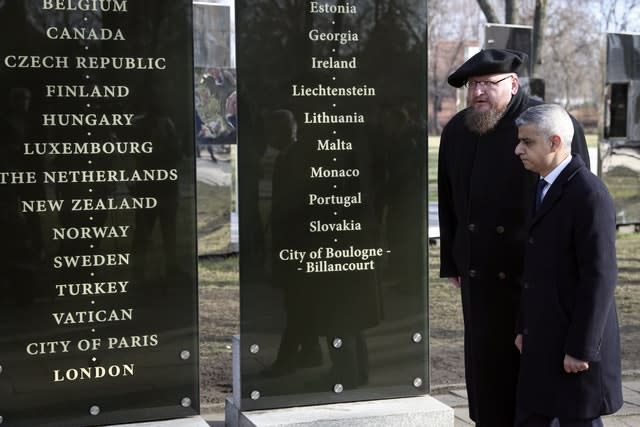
{"x": 484, "y": 198}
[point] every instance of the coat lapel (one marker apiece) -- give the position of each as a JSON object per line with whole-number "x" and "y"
{"x": 557, "y": 188}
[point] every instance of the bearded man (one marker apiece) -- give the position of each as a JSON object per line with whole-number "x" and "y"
{"x": 484, "y": 198}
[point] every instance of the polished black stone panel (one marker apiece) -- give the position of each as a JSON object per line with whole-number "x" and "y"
{"x": 620, "y": 170}
{"x": 332, "y": 176}
{"x": 498, "y": 36}
{"x": 98, "y": 296}
{"x": 623, "y": 57}
{"x": 620, "y": 148}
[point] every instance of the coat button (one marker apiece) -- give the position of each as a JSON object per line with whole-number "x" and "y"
{"x": 502, "y": 276}
{"x": 499, "y": 229}
{"x": 472, "y": 227}
{"x": 473, "y": 273}
{"x": 525, "y": 285}
{"x": 525, "y": 331}
{"x": 531, "y": 240}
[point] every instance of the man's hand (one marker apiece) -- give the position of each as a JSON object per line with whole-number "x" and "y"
{"x": 518, "y": 342}
{"x": 455, "y": 281}
{"x": 573, "y": 365}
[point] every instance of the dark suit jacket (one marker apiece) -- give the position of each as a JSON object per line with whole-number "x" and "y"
{"x": 567, "y": 303}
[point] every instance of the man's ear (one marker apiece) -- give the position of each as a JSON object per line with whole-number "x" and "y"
{"x": 556, "y": 142}
{"x": 515, "y": 84}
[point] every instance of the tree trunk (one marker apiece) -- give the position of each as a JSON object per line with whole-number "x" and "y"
{"x": 511, "y": 12}
{"x": 539, "y": 24}
{"x": 489, "y": 13}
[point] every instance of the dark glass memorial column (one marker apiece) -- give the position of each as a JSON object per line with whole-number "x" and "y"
{"x": 332, "y": 176}
{"x": 98, "y": 296}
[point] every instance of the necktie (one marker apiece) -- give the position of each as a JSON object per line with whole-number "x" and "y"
{"x": 541, "y": 185}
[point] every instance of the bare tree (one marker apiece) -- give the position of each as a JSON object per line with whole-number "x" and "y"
{"x": 618, "y": 14}
{"x": 438, "y": 85}
{"x": 568, "y": 45}
{"x": 446, "y": 48}
{"x": 572, "y": 70}
{"x": 539, "y": 27}
{"x": 489, "y": 12}
{"x": 512, "y": 11}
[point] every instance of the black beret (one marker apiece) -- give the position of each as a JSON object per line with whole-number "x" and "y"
{"x": 488, "y": 61}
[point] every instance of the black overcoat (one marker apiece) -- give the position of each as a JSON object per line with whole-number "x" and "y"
{"x": 484, "y": 198}
{"x": 568, "y": 304}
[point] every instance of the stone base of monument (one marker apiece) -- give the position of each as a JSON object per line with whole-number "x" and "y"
{"x": 412, "y": 411}
{"x": 180, "y": 422}
{"x": 409, "y": 411}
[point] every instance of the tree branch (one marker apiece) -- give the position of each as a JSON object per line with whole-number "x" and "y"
{"x": 488, "y": 11}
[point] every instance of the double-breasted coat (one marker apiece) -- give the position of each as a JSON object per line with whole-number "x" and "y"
{"x": 568, "y": 304}
{"x": 484, "y": 197}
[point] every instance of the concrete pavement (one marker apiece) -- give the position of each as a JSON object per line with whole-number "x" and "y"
{"x": 627, "y": 416}
{"x": 456, "y": 397}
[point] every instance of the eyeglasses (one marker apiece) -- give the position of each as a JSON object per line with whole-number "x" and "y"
{"x": 484, "y": 84}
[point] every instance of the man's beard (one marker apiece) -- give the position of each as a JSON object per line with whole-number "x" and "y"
{"x": 481, "y": 122}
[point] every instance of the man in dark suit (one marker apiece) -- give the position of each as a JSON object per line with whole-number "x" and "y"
{"x": 483, "y": 202}
{"x": 567, "y": 331}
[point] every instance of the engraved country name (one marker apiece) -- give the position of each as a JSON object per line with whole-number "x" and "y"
{"x": 112, "y": 120}
{"x": 76, "y": 205}
{"x": 84, "y": 62}
{"x": 347, "y": 8}
{"x": 104, "y": 232}
{"x": 342, "y": 38}
{"x": 334, "y": 145}
{"x": 89, "y": 176}
{"x": 334, "y": 200}
{"x": 86, "y": 5}
{"x": 95, "y": 288}
{"x": 322, "y": 90}
{"x": 102, "y": 34}
{"x": 93, "y": 316}
{"x": 317, "y": 226}
{"x": 96, "y": 176}
{"x": 88, "y": 261}
{"x": 331, "y": 63}
{"x": 321, "y": 172}
{"x": 324, "y": 118}
{"x": 83, "y": 91}
{"x": 73, "y": 148}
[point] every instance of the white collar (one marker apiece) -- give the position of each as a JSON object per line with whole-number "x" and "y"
{"x": 553, "y": 175}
